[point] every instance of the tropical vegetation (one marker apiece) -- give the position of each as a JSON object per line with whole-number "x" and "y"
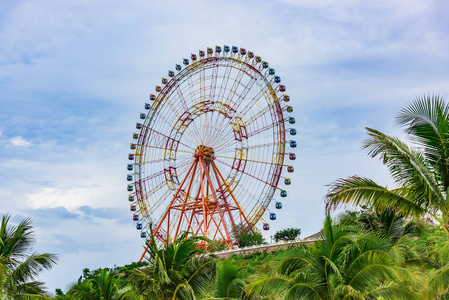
{"x": 19, "y": 266}
{"x": 421, "y": 172}
{"x": 173, "y": 271}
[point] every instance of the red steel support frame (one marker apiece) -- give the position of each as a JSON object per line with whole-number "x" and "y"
{"x": 200, "y": 206}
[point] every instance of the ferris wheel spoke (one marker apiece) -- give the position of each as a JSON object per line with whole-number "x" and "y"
{"x": 257, "y": 116}
{"x": 194, "y": 130}
{"x": 236, "y": 83}
{"x": 156, "y": 161}
{"x": 223, "y": 88}
{"x": 247, "y": 173}
{"x": 175, "y": 112}
{"x": 263, "y": 93}
{"x": 249, "y": 197}
{"x": 193, "y": 135}
{"x": 169, "y": 127}
{"x": 162, "y": 200}
{"x": 222, "y": 137}
{"x": 164, "y": 148}
{"x": 190, "y": 90}
{"x": 224, "y": 143}
{"x": 163, "y": 135}
{"x": 251, "y": 160}
{"x": 156, "y": 188}
{"x": 264, "y": 145}
{"x": 246, "y": 88}
{"x": 182, "y": 168}
{"x": 262, "y": 129}
{"x": 212, "y": 89}
{"x": 152, "y": 176}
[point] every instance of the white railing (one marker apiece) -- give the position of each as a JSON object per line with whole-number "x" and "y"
{"x": 264, "y": 246}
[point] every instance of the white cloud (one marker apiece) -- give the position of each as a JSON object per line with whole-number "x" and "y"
{"x": 52, "y": 197}
{"x": 19, "y": 141}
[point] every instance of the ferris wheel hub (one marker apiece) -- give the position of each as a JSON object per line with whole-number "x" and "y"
{"x": 207, "y": 153}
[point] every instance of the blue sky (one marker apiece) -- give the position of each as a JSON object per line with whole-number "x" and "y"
{"x": 74, "y": 77}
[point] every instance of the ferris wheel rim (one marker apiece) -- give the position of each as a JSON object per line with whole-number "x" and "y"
{"x": 170, "y": 87}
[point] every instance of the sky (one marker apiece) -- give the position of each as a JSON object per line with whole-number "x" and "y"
{"x": 74, "y": 76}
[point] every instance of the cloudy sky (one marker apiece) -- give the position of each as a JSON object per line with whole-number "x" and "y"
{"x": 74, "y": 76}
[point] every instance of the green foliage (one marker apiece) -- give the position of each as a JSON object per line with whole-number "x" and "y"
{"x": 18, "y": 265}
{"x": 174, "y": 272}
{"x": 352, "y": 261}
{"x": 422, "y": 174}
{"x": 59, "y": 292}
{"x": 246, "y": 237}
{"x": 105, "y": 285}
{"x": 86, "y": 273}
{"x": 288, "y": 234}
{"x": 230, "y": 281}
{"x": 341, "y": 265}
{"x": 131, "y": 266}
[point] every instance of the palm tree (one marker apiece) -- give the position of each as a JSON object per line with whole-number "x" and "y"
{"x": 229, "y": 283}
{"x": 104, "y": 285}
{"x": 422, "y": 173}
{"x": 174, "y": 272}
{"x": 18, "y": 265}
{"x": 388, "y": 224}
{"x": 343, "y": 265}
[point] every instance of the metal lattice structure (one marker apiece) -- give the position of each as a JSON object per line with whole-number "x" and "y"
{"x": 211, "y": 148}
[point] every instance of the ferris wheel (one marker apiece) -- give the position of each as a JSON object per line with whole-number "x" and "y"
{"x": 210, "y": 151}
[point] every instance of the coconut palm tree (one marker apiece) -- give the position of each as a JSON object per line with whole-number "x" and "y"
{"x": 105, "y": 285}
{"x": 18, "y": 265}
{"x": 387, "y": 223}
{"x": 343, "y": 265}
{"x": 421, "y": 173}
{"x": 174, "y": 272}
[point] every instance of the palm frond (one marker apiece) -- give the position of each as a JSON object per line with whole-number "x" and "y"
{"x": 393, "y": 292}
{"x": 292, "y": 264}
{"x": 438, "y": 284}
{"x": 426, "y": 119}
{"x": 408, "y": 167}
{"x": 369, "y": 269}
{"x": 202, "y": 273}
{"x": 357, "y": 191}
{"x": 184, "y": 292}
{"x": 302, "y": 291}
{"x": 15, "y": 241}
{"x": 268, "y": 286}
{"x": 229, "y": 281}
{"x": 33, "y": 265}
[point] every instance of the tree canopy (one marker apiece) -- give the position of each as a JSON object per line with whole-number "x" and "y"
{"x": 288, "y": 234}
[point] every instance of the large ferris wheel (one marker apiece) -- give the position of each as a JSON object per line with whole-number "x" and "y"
{"x": 210, "y": 151}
